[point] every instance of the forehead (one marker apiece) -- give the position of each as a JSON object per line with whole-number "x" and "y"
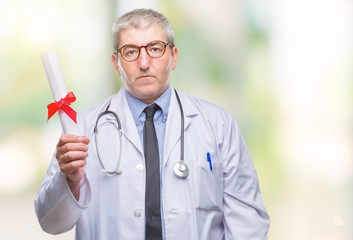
{"x": 142, "y": 36}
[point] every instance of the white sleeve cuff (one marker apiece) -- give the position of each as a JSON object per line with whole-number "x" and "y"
{"x": 64, "y": 209}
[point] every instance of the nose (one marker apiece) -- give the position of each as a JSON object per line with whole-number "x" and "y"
{"x": 144, "y": 59}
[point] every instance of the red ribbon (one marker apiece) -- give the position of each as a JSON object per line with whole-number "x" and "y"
{"x": 63, "y": 104}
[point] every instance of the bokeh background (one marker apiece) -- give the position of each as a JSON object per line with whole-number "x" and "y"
{"x": 283, "y": 68}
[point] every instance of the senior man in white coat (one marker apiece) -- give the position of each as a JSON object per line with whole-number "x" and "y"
{"x": 219, "y": 198}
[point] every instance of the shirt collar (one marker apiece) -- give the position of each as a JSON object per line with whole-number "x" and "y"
{"x": 137, "y": 106}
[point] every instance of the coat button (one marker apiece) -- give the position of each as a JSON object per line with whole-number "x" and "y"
{"x": 139, "y": 167}
{"x": 137, "y": 214}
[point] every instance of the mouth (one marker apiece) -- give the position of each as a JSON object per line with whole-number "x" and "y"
{"x": 144, "y": 76}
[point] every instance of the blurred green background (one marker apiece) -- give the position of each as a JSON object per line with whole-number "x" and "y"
{"x": 283, "y": 68}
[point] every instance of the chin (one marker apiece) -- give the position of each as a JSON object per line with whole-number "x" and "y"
{"x": 149, "y": 95}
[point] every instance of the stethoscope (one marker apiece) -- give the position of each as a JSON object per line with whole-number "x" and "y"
{"x": 180, "y": 168}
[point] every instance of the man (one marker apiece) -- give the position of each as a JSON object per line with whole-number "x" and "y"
{"x": 214, "y": 195}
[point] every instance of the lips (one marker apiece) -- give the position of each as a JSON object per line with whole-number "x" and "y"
{"x": 144, "y": 76}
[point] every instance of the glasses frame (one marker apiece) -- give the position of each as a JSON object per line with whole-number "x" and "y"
{"x": 145, "y": 47}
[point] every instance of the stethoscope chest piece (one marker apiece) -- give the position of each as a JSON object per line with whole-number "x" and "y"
{"x": 181, "y": 169}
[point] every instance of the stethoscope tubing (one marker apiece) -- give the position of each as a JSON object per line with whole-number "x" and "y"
{"x": 180, "y": 168}
{"x": 116, "y": 170}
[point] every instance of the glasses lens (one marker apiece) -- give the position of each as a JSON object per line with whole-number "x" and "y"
{"x": 130, "y": 52}
{"x": 155, "y": 49}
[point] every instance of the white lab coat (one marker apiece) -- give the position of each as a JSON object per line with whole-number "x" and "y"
{"x": 224, "y": 203}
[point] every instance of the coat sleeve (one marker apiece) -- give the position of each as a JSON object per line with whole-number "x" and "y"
{"x": 245, "y": 216}
{"x": 56, "y": 208}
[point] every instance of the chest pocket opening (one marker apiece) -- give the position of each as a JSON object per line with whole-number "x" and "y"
{"x": 208, "y": 186}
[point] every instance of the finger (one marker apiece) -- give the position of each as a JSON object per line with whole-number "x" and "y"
{"x": 83, "y": 139}
{"x": 72, "y": 167}
{"x": 70, "y": 147}
{"x": 67, "y": 138}
{"x": 72, "y": 156}
{"x": 74, "y": 147}
{"x": 70, "y": 138}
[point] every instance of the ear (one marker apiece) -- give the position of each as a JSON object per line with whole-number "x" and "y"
{"x": 115, "y": 63}
{"x": 175, "y": 58}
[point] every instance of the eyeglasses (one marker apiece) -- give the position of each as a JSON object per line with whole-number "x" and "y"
{"x": 154, "y": 49}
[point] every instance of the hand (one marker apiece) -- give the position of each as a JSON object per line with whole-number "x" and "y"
{"x": 71, "y": 153}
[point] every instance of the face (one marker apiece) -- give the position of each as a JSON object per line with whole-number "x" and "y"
{"x": 146, "y": 78}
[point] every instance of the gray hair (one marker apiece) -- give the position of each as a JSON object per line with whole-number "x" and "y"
{"x": 141, "y": 18}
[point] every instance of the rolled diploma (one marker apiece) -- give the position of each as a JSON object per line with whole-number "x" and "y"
{"x": 58, "y": 89}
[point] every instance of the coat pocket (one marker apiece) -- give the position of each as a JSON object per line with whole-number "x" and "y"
{"x": 208, "y": 186}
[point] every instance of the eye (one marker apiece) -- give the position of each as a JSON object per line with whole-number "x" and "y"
{"x": 155, "y": 48}
{"x": 130, "y": 51}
